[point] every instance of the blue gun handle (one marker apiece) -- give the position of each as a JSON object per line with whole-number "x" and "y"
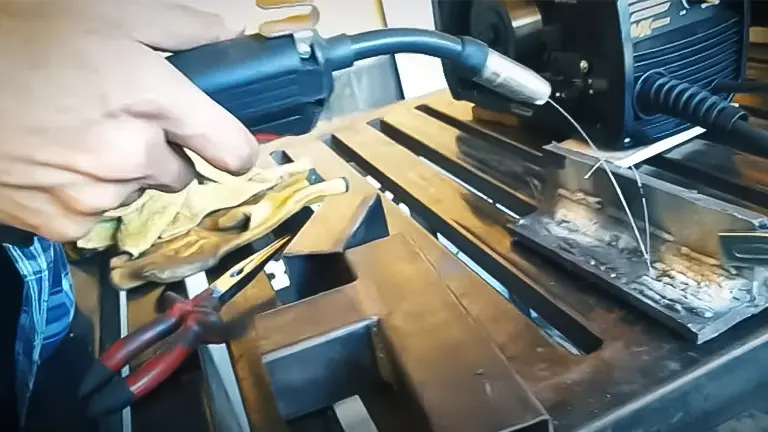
{"x": 263, "y": 82}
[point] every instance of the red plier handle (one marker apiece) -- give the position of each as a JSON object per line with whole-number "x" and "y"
{"x": 186, "y": 324}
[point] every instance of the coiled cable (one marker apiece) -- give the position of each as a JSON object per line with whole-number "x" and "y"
{"x": 660, "y": 94}
{"x": 657, "y": 93}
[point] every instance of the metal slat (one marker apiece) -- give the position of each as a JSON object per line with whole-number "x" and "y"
{"x": 468, "y": 157}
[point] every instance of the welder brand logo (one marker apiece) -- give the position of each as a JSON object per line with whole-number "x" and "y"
{"x": 643, "y": 14}
{"x": 647, "y": 9}
{"x": 646, "y": 27}
{"x": 646, "y": 5}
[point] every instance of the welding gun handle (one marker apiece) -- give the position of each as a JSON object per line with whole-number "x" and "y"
{"x": 264, "y": 82}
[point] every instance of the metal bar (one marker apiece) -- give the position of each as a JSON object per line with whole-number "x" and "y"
{"x": 253, "y": 381}
{"x": 738, "y": 176}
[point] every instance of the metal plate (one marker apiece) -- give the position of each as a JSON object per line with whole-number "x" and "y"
{"x": 582, "y": 223}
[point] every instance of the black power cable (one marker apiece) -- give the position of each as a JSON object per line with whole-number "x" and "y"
{"x": 660, "y": 94}
{"x": 741, "y": 87}
{"x": 755, "y": 140}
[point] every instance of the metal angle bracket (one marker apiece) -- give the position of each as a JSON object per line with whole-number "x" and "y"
{"x": 689, "y": 287}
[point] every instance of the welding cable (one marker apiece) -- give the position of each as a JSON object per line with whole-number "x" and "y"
{"x": 657, "y": 93}
{"x": 473, "y": 57}
{"x": 751, "y": 135}
{"x": 740, "y": 87}
{"x": 390, "y": 41}
{"x": 343, "y": 50}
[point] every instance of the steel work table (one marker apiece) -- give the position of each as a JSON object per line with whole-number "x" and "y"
{"x": 391, "y": 315}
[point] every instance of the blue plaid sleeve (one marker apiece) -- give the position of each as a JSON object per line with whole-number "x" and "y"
{"x": 47, "y": 309}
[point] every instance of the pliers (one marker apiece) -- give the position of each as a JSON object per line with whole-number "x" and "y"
{"x": 186, "y": 324}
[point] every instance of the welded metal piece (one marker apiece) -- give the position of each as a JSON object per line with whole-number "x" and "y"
{"x": 691, "y": 216}
{"x": 687, "y": 289}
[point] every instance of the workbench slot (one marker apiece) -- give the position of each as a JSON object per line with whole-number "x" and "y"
{"x": 281, "y": 157}
{"x": 469, "y": 160}
{"x": 505, "y": 136}
{"x": 468, "y": 221}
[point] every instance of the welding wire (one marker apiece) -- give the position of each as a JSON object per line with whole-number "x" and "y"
{"x": 613, "y": 181}
{"x": 645, "y": 216}
{"x": 594, "y": 168}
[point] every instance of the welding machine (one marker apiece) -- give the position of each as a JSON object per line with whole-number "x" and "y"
{"x": 631, "y": 72}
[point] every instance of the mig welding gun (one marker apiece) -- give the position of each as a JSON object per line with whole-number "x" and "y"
{"x": 279, "y": 85}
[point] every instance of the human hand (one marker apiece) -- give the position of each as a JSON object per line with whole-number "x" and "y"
{"x": 87, "y": 109}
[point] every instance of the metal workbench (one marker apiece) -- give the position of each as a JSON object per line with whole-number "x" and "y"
{"x": 392, "y": 315}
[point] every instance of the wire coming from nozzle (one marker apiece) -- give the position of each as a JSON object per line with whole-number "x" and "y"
{"x": 603, "y": 162}
{"x": 646, "y": 219}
